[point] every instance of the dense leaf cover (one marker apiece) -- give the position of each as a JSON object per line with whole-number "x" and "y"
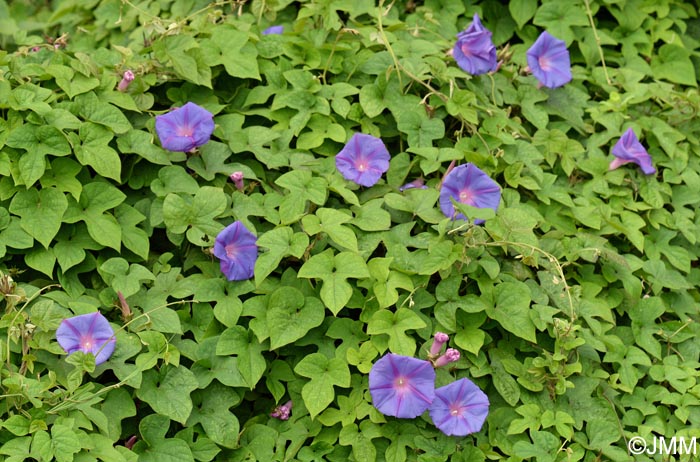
{"x": 574, "y": 306}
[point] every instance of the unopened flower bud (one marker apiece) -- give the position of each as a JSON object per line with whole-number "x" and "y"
{"x": 237, "y": 178}
{"x": 127, "y": 78}
{"x": 282, "y": 412}
{"x": 439, "y": 340}
{"x": 450, "y": 356}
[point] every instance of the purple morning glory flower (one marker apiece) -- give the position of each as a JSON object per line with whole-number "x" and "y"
{"x": 549, "y": 61}
{"x": 185, "y": 128}
{"x": 89, "y": 333}
{"x": 236, "y": 247}
{"x": 402, "y": 386}
{"x": 273, "y": 30}
{"x": 459, "y": 408}
{"x": 469, "y": 185}
{"x": 474, "y": 50}
{"x": 363, "y": 159}
{"x": 629, "y": 149}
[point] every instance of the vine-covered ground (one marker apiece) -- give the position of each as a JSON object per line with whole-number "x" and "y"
{"x": 335, "y": 230}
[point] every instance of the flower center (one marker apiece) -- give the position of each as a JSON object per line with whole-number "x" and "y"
{"x": 184, "y": 130}
{"x": 401, "y": 384}
{"x": 362, "y": 166}
{"x": 464, "y": 196}
{"x": 455, "y": 411}
{"x": 86, "y": 344}
{"x": 230, "y": 250}
{"x": 545, "y": 65}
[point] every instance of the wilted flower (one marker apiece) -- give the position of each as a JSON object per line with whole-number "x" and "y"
{"x": 629, "y": 149}
{"x": 237, "y": 178}
{"x": 236, "y": 247}
{"x": 127, "y": 78}
{"x": 185, "y": 128}
{"x": 451, "y": 355}
{"x": 459, "y": 408}
{"x": 402, "y": 386}
{"x": 363, "y": 159}
{"x": 549, "y": 61}
{"x": 418, "y": 183}
{"x": 474, "y": 50}
{"x": 469, "y": 185}
{"x": 282, "y": 411}
{"x": 439, "y": 340}
{"x": 273, "y": 30}
{"x": 89, "y": 333}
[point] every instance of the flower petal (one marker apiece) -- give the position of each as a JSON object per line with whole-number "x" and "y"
{"x": 410, "y": 398}
{"x": 237, "y": 249}
{"x": 363, "y": 160}
{"x": 459, "y": 408}
{"x": 549, "y": 61}
{"x": 185, "y": 128}
{"x": 474, "y": 50}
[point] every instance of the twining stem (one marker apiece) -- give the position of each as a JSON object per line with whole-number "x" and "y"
{"x": 385, "y": 39}
{"x": 551, "y": 258}
{"x": 597, "y": 40}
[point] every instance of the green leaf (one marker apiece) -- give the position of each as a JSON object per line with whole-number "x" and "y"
{"x": 238, "y": 56}
{"x": 38, "y": 141}
{"x": 280, "y": 242}
{"x": 243, "y": 343}
{"x": 196, "y": 215}
{"x": 62, "y": 175}
{"x": 97, "y": 198}
{"x": 421, "y": 131}
{"x": 334, "y": 270}
{"x": 558, "y": 18}
{"x": 219, "y": 423}
{"x": 160, "y": 449}
{"x": 142, "y": 143}
{"x": 395, "y": 325}
{"x": 372, "y": 100}
{"x": 331, "y": 222}
{"x": 168, "y": 391}
{"x": 522, "y": 11}
{"x": 512, "y": 309}
{"x": 91, "y": 108}
{"x": 290, "y": 316}
{"x": 134, "y": 238}
{"x": 40, "y": 212}
{"x": 673, "y": 63}
{"x": 94, "y": 151}
{"x": 470, "y": 339}
{"x": 41, "y": 260}
{"x": 324, "y": 373}
{"x": 186, "y": 57}
{"x": 17, "y": 424}
{"x": 370, "y": 216}
{"x": 302, "y": 186}
{"x": 64, "y": 441}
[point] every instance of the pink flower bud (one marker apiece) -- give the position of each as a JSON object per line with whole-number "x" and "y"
{"x": 450, "y": 356}
{"x": 237, "y": 178}
{"x": 282, "y": 412}
{"x": 439, "y": 340}
{"x": 127, "y": 78}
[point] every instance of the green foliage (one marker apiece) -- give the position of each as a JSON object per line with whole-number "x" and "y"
{"x": 575, "y": 306}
